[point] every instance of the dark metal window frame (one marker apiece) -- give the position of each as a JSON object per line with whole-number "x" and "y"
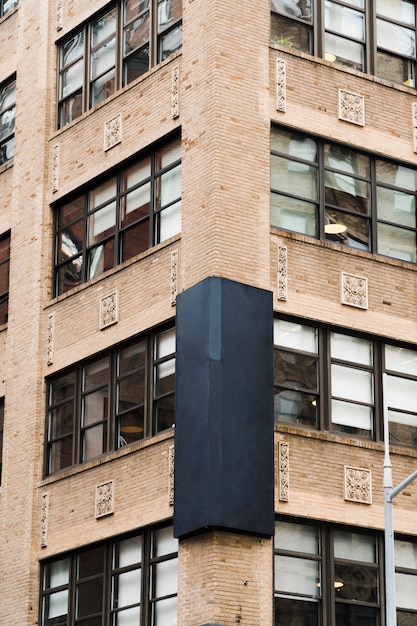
{"x": 322, "y": 208}
{"x": 104, "y": 579}
{"x": 317, "y": 33}
{"x": 327, "y": 595}
{"x": 154, "y": 52}
{"x": 5, "y": 261}
{"x": 323, "y": 393}
{"x": 112, "y": 420}
{"x": 6, "y": 86}
{"x": 153, "y": 217}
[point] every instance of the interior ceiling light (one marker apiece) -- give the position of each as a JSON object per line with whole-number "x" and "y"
{"x": 334, "y": 229}
{"x": 330, "y": 57}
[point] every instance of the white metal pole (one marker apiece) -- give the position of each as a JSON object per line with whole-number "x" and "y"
{"x": 390, "y": 603}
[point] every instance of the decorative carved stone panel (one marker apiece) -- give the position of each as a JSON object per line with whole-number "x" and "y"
{"x": 414, "y": 109}
{"x": 44, "y": 520}
{"x": 282, "y": 273}
{"x": 109, "y": 310}
{"x": 55, "y": 168}
{"x": 50, "y": 331}
{"x": 105, "y": 499}
{"x": 175, "y": 98}
{"x": 281, "y": 85}
{"x": 358, "y": 485}
{"x": 354, "y": 290}
{"x": 112, "y": 132}
{"x": 59, "y": 17}
{"x": 171, "y": 471}
{"x": 284, "y": 471}
{"x": 351, "y": 107}
{"x": 174, "y": 277}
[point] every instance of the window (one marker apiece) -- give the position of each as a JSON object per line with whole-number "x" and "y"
{"x": 131, "y": 580}
{"x": 7, "y": 119}
{"x": 331, "y": 380}
{"x": 112, "y": 50}
{"x": 1, "y": 434}
{"x": 4, "y": 277}
{"x": 7, "y": 5}
{"x": 333, "y": 192}
{"x": 326, "y": 575}
{"x": 406, "y": 581}
{"x": 336, "y": 30}
{"x": 127, "y": 213}
{"x": 111, "y": 401}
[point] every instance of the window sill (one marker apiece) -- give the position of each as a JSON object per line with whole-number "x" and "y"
{"x": 115, "y": 270}
{"x": 6, "y": 165}
{"x": 372, "y": 256}
{"x": 347, "y": 70}
{"x": 345, "y": 440}
{"x": 74, "y": 470}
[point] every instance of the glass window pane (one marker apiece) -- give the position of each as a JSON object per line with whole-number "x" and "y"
{"x": 165, "y": 612}
{"x": 399, "y": 10}
{"x": 294, "y": 144}
{"x": 356, "y": 614}
{"x": 169, "y": 11}
{"x": 94, "y": 441}
{"x": 71, "y": 79}
{"x": 397, "y": 175}
{"x": 169, "y": 154}
{"x": 131, "y": 358}
{"x": 59, "y": 573}
{"x": 164, "y": 542}
{"x": 103, "y": 59}
{"x": 292, "y": 214}
{"x": 96, "y": 374}
{"x": 127, "y": 586}
{"x": 406, "y": 554}
{"x": 170, "y": 186}
{"x": 301, "y": 9}
{"x": 296, "y": 575}
{"x": 72, "y": 50}
{"x": 128, "y": 552}
{"x": 165, "y": 343}
{"x": 397, "y": 69}
{"x": 170, "y": 43}
{"x": 344, "y": 51}
{"x": 103, "y": 193}
{"x": 401, "y": 393}
{"x": 297, "y": 537}
{"x": 58, "y": 606}
{"x": 396, "y": 38}
{"x": 352, "y": 384}
{"x": 62, "y": 388}
{"x": 89, "y": 598}
{"x": 359, "y": 583}
{"x": 293, "y": 612}
{"x": 298, "y": 371}
{"x": 351, "y": 418}
{"x": 136, "y": 34}
{"x": 291, "y": 33}
{"x": 353, "y": 349}
{"x": 396, "y": 206}
{"x": 135, "y": 240}
{"x": 406, "y": 591}
{"x": 170, "y": 222}
{"x": 102, "y": 88}
{"x": 355, "y": 547}
{"x": 136, "y": 204}
{"x": 61, "y": 421}
{"x": 100, "y": 259}
{"x": 346, "y": 21}
{"x": 294, "y": 335}
{"x": 166, "y": 577}
{"x": 293, "y": 178}
{"x": 101, "y": 223}
{"x": 95, "y": 407}
{"x": 103, "y": 28}
{"x": 397, "y": 242}
{"x": 400, "y": 359}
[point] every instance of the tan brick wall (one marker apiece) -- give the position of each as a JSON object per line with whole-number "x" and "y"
{"x": 225, "y": 578}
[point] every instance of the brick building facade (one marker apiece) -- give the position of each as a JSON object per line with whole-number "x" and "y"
{"x": 217, "y": 209}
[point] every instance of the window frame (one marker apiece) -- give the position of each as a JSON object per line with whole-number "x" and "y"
{"x": 327, "y": 598}
{"x": 5, "y": 261}
{"x": 106, "y": 578}
{"x": 121, "y": 60}
{"x": 78, "y": 265}
{"x": 65, "y": 447}
{"x": 318, "y": 29}
{"x": 323, "y": 391}
{"x": 6, "y": 86}
{"x": 325, "y": 212}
